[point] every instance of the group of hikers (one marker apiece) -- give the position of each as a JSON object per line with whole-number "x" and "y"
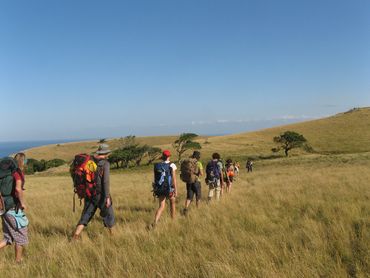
{"x": 91, "y": 173}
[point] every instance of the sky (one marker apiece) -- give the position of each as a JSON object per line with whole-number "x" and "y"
{"x": 100, "y": 69}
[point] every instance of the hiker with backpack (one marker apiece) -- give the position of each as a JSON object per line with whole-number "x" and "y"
{"x": 249, "y": 165}
{"x": 164, "y": 185}
{"x": 214, "y": 176}
{"x": 91, "y": 182}
{"x": 12, "y": 204}
{"x": 191, "y": 171}
{"x": 229, "y": 174}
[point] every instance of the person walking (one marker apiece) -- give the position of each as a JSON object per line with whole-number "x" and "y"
{"x": 193, "y": 184}
{"x": 229, "y": 175}
{"x": 249, "y": 165}
{"x": 214, "y": 176}
{"x": 164, "y": 186}
{"x": 102, "y": 199}
{"x": 13, "y": 218}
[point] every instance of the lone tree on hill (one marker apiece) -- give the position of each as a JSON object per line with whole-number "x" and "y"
{"x": 185, "y": 142}
{"x": 289, "y": 140}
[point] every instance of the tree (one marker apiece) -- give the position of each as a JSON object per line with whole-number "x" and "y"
{"x": 185, "y": 142}
{"x": 153, "y": 154}
{"x": 129, "y": 141}
{"x": 289, "y": 140}
{"x": 140, "y": 152}
{"x": 102, "y": 141}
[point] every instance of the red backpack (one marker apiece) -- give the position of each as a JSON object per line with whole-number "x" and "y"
{"x": 83, "y": 171}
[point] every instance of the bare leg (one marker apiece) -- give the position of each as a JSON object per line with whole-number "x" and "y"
{"x": 162, "y": 204}
{"x": 173, "y": 207}
{"x": 78, "y": 231}
{"x": 18, "y": 253}
{"x": 3, "y": 244}
{"x": 187, "y": 203}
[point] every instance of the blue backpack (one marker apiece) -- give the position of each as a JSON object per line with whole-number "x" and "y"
{"x": 213, "y": 172}
{"x": 162, "y": 185}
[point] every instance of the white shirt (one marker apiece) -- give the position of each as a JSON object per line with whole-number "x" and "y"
{"x": 172, "y": 165}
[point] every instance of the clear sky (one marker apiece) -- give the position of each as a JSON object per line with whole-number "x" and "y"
{"x": 94, "y": 69}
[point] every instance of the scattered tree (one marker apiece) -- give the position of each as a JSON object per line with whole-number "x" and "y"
{"x": 102, "y": 141}
{"x": 185, "y": 142}
{"x": 153, "y": 154}
{"x": 289, "y": 140}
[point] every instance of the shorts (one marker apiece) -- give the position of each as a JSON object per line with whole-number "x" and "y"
{"x": 12, "y": 233}
{"x": 231, "y": 179}
{"x": 90, "y": 208}
{"x": 193, "y": 188}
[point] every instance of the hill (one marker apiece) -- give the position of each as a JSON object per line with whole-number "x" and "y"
{"x": 347, "y": 132}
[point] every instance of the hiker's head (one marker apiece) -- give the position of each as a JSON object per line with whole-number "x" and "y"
{"x": 166, "y": 154}
{"x": 21, "y": 160}
{"x": 103, "y": 150}
{"x": 229, "y": 161}
{"x": 196, "y": 155}
{"x": 216, "y": 156}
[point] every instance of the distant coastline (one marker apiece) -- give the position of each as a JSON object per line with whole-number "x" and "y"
{"x": 8, "y": 148}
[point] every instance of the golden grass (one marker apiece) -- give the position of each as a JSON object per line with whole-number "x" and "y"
{"x": 295, "y": 217}
{"x": 342, "y": 133}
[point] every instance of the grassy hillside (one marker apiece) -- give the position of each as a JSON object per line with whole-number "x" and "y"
{"x": 68, "y": 150}
{"x": 342, "y": 133}
{"x": 295, "y": 217}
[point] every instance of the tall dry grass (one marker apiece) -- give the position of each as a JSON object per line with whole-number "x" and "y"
{"x": 290, "y": 218}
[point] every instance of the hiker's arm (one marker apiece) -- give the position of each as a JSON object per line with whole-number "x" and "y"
{"x": 201, "y": 173}
{"x": 174, "y": 182}
{"x": 106, "y": 179}
{"x": 19, "y": 193}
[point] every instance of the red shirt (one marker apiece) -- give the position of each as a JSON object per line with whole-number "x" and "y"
{"x": 18, "y": 176}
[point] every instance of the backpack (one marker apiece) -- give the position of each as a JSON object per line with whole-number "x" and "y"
{"x": 83, "y": 171}
{"x": 162, "y": 185}
{"x": 212, "y": 172}
{"x": 8, "y": 200}
{"x": 189, "y": 170}
{"x": 230, "y": 170}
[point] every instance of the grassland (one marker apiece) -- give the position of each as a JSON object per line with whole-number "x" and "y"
{"x": 290, "y": 218}
{"x": 302, "y": 216}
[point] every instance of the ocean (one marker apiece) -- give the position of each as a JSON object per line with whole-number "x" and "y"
{"x": 8, "y": 148}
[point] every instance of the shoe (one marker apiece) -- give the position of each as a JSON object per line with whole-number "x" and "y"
{"x": 185, "y": 212}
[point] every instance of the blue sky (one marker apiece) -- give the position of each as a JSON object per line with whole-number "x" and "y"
{"x": 94, "y": 69}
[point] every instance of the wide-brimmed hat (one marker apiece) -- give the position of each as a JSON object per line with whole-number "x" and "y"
{"x": 103, "y": 149}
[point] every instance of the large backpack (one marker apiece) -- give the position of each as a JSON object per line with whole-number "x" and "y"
{"x": 162, "y": 185}
{"x": 189, "y": 170}
{"x": 83, "y": 172}
{"x": 230, "y": 170}
{"x": 8, "y": 200}
{"x": 212, "y": 172}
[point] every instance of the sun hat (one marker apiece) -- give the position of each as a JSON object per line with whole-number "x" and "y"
{"x": 103, "y": 149}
